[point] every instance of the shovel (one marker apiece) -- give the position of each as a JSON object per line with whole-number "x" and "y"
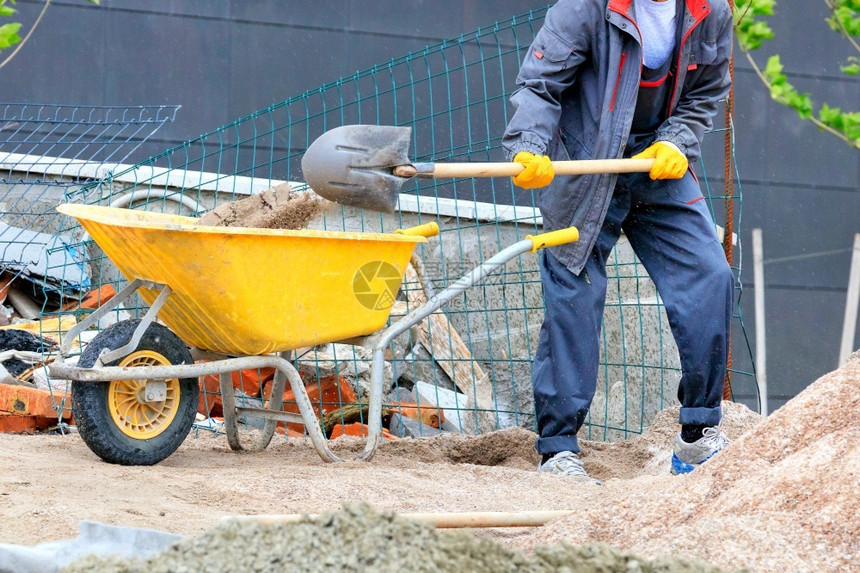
{"x": 365, "y": 166}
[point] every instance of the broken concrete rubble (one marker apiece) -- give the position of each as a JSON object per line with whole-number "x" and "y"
{"x": 453, "y": 404}
{"x": 46, "y": 261}
{"x": 419, "y": 366}
{"x": 405, "y": 427}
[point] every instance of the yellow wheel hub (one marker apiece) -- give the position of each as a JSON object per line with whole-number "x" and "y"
{"x": 132, "y": 414}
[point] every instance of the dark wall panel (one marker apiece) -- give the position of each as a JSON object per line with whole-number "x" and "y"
{"x": 177, "y": 62}
{"x": 774, "y": 145}
{"x": 63, "y": 62}
{"x": 802, "y": 344}
{"x": 807, "y": 236}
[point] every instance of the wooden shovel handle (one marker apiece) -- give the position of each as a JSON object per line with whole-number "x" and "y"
{"x": 582, "y": 167}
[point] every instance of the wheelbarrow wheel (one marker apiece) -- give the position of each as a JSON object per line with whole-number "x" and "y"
{"x": 113, "y": 418}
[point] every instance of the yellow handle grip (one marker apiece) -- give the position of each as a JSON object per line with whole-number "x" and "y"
{"x": 425, "y": 230}
{"x": 554, "y": 238}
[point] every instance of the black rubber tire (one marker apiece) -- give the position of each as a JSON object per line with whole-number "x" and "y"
{"x": 90, "y": 405}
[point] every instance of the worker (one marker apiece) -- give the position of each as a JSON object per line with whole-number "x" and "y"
{"x": 612, "y": 79}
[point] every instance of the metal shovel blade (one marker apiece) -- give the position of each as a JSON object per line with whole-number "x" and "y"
{"x": 352, "y": 165}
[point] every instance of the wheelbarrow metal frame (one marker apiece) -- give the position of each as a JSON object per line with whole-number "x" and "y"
{"x": 284, "y": 370}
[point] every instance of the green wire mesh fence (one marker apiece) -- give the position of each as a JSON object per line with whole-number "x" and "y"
{"x": 468, "y": 368}
{"x": 46, "y": 150}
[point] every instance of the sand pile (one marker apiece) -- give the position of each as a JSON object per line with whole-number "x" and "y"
{"x": 275, "y": 208}
{"x": 360, "y": 539}
{"x": 781, "y": 498}
{"x": 650, "y": 454}
{"x": 504, "y": 462}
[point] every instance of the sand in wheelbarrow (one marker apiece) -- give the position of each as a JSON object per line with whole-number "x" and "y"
{"x": 275, "y": 208}
{"x": 358, "y": 538}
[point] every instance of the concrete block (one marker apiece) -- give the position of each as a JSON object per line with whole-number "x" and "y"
{"x": 404, "y": 427}
{"x": 450, "y": 402}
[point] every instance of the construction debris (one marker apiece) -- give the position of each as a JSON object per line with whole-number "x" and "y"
{"x": 28, "y": 410}
{"x": 357, "y": 429}
{"x": 348, "y": 361}
{"x": 16, "y": 339}
{"x": 405, "y": 427}
{"x": 91, "y": 300}
{"x": 46, "y": 262}
{"x": 418, "y": 365}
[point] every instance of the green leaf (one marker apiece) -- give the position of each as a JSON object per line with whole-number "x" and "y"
{"x": 6, "y": 10}
{"x": 827, "y": 114}
{"x": 753, "y": 35}
{"x": 801, "y": 103}
{"x": 773, "y": 68}
{"x": 9, "y": 35}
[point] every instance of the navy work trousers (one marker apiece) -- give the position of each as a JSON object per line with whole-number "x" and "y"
{"x": 672, "y": 233}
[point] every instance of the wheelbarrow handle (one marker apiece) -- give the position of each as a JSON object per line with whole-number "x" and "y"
{"x": 426, "y": 230}
{"x": 554, "y": 238}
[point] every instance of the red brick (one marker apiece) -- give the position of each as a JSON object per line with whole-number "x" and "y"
{"x": 356, "y": 429}
{"x": 26, "y": 401}
{"x": 332, "y": 391}
{"x": 426, "y": 413}
{"x": 248, "y": 381}
{"x": 289, "y": 432}
{"x": 12, "y": 424}
{"x": 93, "y": 299}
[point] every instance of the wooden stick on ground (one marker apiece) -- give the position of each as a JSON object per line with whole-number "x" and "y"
{"x": 441, "y": 520}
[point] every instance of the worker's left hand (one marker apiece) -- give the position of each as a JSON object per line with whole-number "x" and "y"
{"x": 669, "y": 162}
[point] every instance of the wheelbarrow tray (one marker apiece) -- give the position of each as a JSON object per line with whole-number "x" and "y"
{"x": 244, "y": 291}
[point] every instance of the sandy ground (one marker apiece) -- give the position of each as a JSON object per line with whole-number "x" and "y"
{"x": 49, "y": 483}
{"x": 782, "y": 497}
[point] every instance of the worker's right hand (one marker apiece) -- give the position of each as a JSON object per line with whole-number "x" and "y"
{"x": 538, "y": 170}
{"x": 669, "y": 162}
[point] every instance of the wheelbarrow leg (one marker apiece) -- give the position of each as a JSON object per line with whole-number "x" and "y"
{"x": 311, "y": 422}
{"x": 228, "y": 400}
{"x": 231, "y": 426}
{"x": 284, "y": 371}
{"x": 276, "y": 402}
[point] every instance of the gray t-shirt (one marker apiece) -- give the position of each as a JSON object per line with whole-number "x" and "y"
{"x": 656, "y": 21}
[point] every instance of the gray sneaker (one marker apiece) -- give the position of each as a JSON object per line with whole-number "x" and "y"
{"x": 687, "y": 457}
{"x": 567, "y": 464}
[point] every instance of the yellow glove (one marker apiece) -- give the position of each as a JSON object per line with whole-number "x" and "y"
{"x": 538, "y": 170}
{"x": 669, "y": 162}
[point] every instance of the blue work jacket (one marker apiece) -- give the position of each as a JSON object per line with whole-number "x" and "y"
{"x": 578, "y": 88}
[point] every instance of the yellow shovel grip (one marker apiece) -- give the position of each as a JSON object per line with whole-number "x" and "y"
{"x": 425, "y": 230}
{"x": 554, "y": 238}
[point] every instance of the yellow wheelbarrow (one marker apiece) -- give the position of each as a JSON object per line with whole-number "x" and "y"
{"x": 234, "y": 299}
